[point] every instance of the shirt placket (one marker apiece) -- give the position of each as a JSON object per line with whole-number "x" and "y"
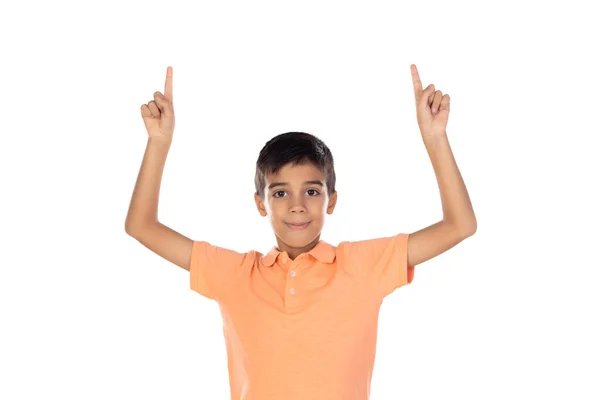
{"x": 292, "y": 283}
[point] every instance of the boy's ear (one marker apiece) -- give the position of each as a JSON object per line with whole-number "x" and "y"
{"x": 260, "y": 205}
{"x": 332, "y": 202}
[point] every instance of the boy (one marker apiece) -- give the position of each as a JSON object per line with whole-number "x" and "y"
{"x": 300, "y": 322}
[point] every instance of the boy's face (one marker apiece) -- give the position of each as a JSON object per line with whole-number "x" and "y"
{"x": 296, "y": 195}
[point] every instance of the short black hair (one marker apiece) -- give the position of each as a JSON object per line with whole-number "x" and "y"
{"x": 295, "y": 148}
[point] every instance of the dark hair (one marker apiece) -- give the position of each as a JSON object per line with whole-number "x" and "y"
{"x": 295, "y": 148}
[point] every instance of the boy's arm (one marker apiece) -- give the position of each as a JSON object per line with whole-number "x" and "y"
{"x": 142, "y": 218}
{"x": 459, "y": 220}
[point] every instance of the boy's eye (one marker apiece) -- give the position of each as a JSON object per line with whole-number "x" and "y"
{"x": 313, "y": 192}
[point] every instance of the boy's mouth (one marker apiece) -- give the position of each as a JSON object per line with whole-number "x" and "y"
{"x": 298, "y": 227}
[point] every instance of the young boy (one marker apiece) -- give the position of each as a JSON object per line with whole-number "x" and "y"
{"x": 300, "y": 322}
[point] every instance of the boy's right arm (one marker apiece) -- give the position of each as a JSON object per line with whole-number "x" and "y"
{"x": 142, "y": 217}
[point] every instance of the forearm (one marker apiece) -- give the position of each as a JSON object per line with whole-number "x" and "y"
{"x": 143, "y": 208}
{"x": 456, "y": 204}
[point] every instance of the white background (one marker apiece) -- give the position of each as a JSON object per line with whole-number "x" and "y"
{"x": 87, "y": 312}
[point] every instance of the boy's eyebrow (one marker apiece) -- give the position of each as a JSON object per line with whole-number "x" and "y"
{"x": 275, "y": 184}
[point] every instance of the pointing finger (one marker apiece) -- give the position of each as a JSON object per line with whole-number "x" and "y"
{"x": 418, "y": 86}
{"x": 169, "y": 84}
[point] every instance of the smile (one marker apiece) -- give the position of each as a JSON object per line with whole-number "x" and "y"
{"x": 298, "y": 227}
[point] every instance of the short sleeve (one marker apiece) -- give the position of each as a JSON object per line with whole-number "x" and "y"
{"x": 383, "y": 262}
{"x": 213, "y": 267}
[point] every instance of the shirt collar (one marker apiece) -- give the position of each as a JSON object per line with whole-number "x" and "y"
{"x": 323, "y": 252}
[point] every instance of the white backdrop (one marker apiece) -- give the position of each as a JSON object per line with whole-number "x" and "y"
{"x": 87, "y": 312}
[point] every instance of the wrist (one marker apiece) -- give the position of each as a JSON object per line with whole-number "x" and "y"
{"x": 434, "y": 135}
{"x": 159, "y": 141}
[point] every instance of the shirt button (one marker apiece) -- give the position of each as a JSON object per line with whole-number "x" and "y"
{"x": 284, "y": 260}
{"x": 293, "y": 273}
{"x": 292, "y": 291}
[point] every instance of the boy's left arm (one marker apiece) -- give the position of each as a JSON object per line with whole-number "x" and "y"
{"x": 458, "y": 220}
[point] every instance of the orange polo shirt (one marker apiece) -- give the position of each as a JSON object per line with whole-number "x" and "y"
{"x": 302, "y": 329}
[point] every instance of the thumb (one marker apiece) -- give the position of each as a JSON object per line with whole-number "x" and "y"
{"x": 426, "y": 95}
{"x": 163, "y": 104}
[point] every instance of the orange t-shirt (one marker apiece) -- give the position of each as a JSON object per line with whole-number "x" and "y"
{"x": 301, "y": 329}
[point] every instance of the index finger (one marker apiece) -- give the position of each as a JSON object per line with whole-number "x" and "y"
{"x": 416, "y": 82}
{"x": 169, "y": 84}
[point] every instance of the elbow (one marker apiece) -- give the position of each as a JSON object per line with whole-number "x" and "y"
{"x": 470, "y": 229}
{"x": 133, "y": 229}
{"x": 465, "y": 229}
{"x": 130, "y": 229}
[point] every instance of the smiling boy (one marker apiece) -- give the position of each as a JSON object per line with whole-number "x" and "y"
{"x": 300, "y": 321}
{"x": 295, "y": 189}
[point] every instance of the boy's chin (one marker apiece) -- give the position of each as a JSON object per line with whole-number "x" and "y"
{"x": 298, "y": 239}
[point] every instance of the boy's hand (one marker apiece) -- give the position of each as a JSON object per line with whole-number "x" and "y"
{"x": 158, "y": 114}
{"x": 432, "y": 108}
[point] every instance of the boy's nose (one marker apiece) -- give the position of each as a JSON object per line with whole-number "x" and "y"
{"x": 298, "y": 208}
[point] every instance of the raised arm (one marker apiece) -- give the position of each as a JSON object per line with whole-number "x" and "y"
{"x": 142, "y": 218}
